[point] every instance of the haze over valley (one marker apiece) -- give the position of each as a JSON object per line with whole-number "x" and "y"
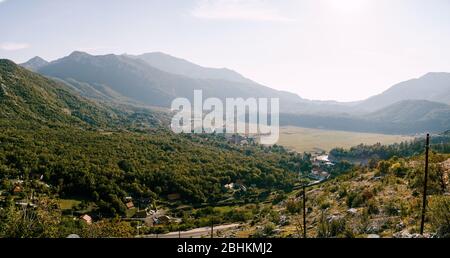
{"x": 224, "y": 119}
{"x": 411, "y": 107}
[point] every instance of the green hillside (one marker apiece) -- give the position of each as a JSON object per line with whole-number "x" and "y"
{"x": 409, "y": 111}
{"x": 101, "y": 155}
{"x": 31, "y": 97}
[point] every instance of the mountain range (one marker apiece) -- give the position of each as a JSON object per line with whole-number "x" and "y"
{"x": 35, "y": 63}
{"x": 155, "y": 79}
{"x": 432, "y": 87}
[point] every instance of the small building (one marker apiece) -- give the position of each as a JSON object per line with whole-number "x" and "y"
{"x": 86, "y": 218}
{"x": 17, "y": 189}
{"x": 130, "y": 205}
{"x": 229, "y": 186}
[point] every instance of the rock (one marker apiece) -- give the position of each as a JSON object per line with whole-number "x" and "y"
{"x": 333, "y": 218}
{"x": 406, "y": 234}
{"x": 352, "y": 211}
{"x": 373, "y": 236}
{"x": 373, "y": 229}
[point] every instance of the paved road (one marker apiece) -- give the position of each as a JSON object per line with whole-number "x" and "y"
{"x": 194, "y": 233}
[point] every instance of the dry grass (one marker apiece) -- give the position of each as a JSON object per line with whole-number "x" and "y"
{"x": 312, "y": 140}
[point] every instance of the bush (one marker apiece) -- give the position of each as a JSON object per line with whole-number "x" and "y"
{"x": 391, "y": 208}
{"x": 439, "y": 215}
{"x": 354, "y": 200}
{"x": 293, "y": 206}
{"x": 372, "y": 207}
{"x": 335, "y": 227}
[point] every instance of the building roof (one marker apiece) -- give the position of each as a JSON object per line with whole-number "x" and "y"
{"x": 130, "y": 205}
{"x": 86, "y": 218}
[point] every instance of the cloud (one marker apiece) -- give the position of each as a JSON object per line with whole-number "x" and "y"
{"x": 244, "y": 10}
{"x": 12, "y": 46}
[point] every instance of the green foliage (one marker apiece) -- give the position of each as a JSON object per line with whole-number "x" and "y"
{"x": 383, "y": 167}
{"x": 106, "y": 168}
{"x": 439, "y": 213}
{"x": 333, "y": 227}
{"x": 102, "y": 154}
{"x": 436, "y": 178}
{"x": 293, "y": 206}
{"x": 28, "y": 222}
{"x": 439, "y": 143}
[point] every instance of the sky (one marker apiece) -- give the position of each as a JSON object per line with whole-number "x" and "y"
{"x": 343, "y": 50}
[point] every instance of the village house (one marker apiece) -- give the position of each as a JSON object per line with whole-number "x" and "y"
{"x": 318, "y": 174}
{"x": 17, "y": 189}
{"x": 235, "y": 186}
{"x": 130, "y": 205}
{"x": 229, "y": 186}
{"x": 87, "y": 219}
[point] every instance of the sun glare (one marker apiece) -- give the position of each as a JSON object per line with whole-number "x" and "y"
{"x": 348, "y": 6}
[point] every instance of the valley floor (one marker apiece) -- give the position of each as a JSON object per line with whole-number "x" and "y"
{"x": 318, "y": 140}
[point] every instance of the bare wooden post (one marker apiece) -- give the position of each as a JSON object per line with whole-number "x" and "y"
{"x": 212, "y": 228}
{"x": 304, "y": 211}
{"x": 424, "y": 201}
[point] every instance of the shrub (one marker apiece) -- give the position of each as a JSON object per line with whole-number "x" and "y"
{"x": 354, "y": 200}
{"x": 372, "y": 207}
{"x": 293, "y": 206}
{"x": 439, "y": 215}
{"x": 391, "y": 208}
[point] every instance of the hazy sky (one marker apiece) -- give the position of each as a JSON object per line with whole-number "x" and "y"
{"x": 320, "y": 49}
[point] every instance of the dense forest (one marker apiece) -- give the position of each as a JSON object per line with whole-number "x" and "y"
{"x": 439, "y": 143}
{"x": 107, "y": 166}
{"x": 103, "y": 154}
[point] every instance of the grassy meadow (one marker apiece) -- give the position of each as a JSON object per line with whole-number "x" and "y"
{"x": 313, "y": 140}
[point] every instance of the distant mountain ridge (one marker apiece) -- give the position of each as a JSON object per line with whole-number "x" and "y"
{"x": 412, "y": 110}
{"x": 35, "y": 63}
{"x": 405, "y": 117}
{"x": 175, "y": 65}
{"x": 135, "y": 79}
{"x": 432, "y": 87}
{"x": 156, "y": 79}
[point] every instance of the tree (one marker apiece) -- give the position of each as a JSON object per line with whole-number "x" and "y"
{"x": 383, "y": 167}
{"x": 108, "y": 229}
{"x": 40, "y": 222}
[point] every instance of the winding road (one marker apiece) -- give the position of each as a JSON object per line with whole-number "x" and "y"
{"x": 194, "y": 233}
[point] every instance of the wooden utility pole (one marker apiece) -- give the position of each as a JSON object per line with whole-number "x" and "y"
{"x": 424, "y": 201}
{"x": 212, "y": 228}
{"x": 304, "y": 211}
